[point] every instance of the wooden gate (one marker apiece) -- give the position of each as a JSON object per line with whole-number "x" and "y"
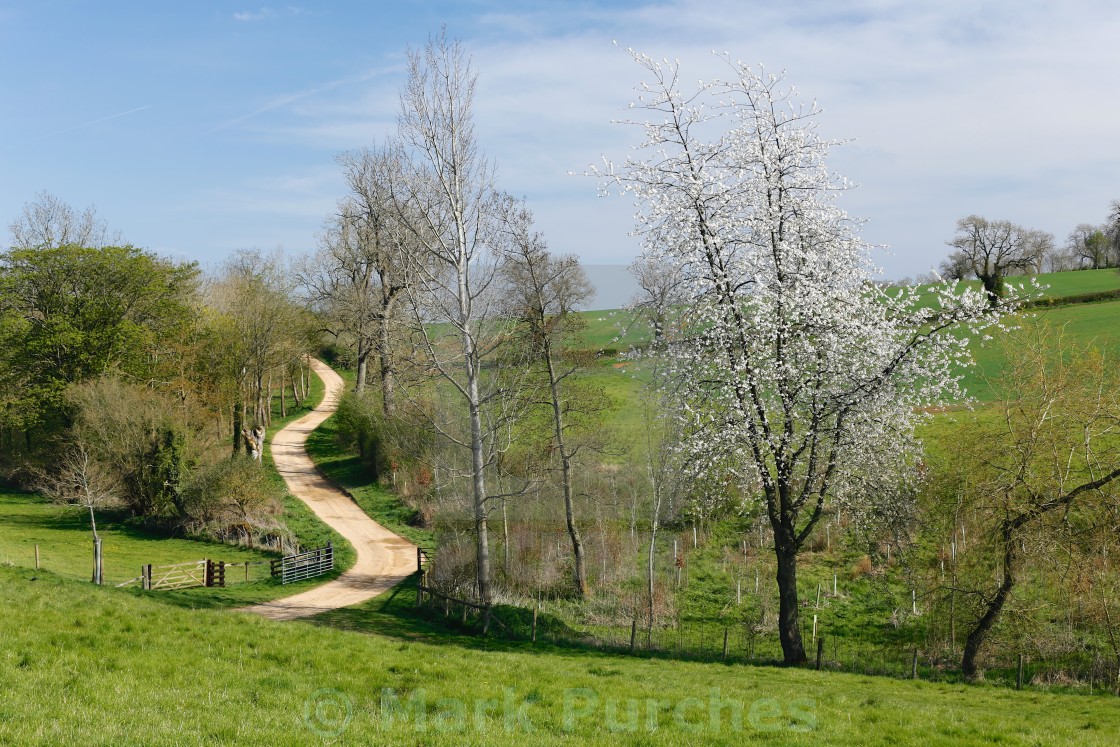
{"x": 184, "y": 575}
{"x": 304, "y": 565}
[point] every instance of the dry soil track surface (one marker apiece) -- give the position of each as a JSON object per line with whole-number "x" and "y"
{"x": 384, "y": 559}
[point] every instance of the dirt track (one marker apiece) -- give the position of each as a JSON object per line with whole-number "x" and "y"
{"x": 384, "y": 559}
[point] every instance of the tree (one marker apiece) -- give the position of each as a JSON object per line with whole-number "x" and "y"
{"x": 545, "y": 291}
{"x": 49, "y": 223}
{"x": 1113, "y": 231}
{"x": 266, "y": 330}
{"x": 449, "y": 206}
{"x": 79, "y": 479}
{"x": 70, "y": 312}
{"x": 993, "y": 250}
{"x": 1048, "y": 462}
{"x": 358, "y": 277}
{"x": 659, "y": 293}
{"x": 798, "y": 378}
{"x": 1090, "y": 245}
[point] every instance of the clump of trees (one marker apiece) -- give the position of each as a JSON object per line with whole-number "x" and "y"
{"x": 993, "y": 250}
{"x": 124, "y": 372}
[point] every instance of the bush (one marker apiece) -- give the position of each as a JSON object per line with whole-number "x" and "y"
{"x": 233, "y": 499}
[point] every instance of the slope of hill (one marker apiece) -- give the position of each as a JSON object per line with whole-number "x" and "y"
{"x": 82, "y": 665}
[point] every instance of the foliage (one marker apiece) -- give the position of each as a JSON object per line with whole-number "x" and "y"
{"x": 795, "y": 373}
{"x": 68, "y": 313}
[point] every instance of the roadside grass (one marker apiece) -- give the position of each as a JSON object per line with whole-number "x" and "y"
{"x": 95, "y": 666}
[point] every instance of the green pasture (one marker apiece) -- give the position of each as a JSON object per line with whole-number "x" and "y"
{"x": 83, "y": 665}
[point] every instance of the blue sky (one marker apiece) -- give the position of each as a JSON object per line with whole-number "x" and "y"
{"x": 201, "y": 127}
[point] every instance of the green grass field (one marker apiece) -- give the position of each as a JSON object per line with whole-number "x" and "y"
{"x": 82, "y": 665}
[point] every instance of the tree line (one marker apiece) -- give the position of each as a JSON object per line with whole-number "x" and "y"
{"x": 129, "y": 379}
{"x": 992, "y": 250}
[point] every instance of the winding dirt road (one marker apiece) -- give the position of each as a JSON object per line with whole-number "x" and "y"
{"x": 384, "y": 559}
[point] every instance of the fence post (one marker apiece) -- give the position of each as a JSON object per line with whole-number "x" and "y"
{"x": 419, "y": 559}
{"x": 420, "y": 590}
{"x": 1019, "y": 674}
{"x": 36, "y": 557}
{"x": 914, "y": 665}
{"x": 146, "y": 576}
{"x": 633, "y": 633}
{"x": 820, "y": 652}
{"x": 726, "y": 630}
{"x": 534, "y": 635}
{"x": 246, "y": 571}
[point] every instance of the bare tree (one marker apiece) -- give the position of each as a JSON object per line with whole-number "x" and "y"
{"x": 448, "y": 202}
{"x": 1044, "y": 464}
{"x": 992, "y": 250}
{"x": 659, "y": 293}
{"x": 358, "y": 276}
{"x": 78, "y": 479}
{"x": 546, "y": 291}
{"x": 48, "y": 223}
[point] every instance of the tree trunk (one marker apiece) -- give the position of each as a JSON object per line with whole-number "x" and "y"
{"x": 994, "y": 606}
{"x": 579, "y": 561}
{"x": 789, "y": 631}
{"x": 388, "y": 372}
{"x": 650, "y": 557}
{"x": 363, "y": 365}
{"x": 238, "y": 425}
{"x": 283, "y": 401}
{"x": 482, "y": 537}
{"x": 295, "y": 392}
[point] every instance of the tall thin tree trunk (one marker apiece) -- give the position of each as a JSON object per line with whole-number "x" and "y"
{"x": 238, "y": 425}
{"x": 478, "y": 464}
{"x": 283, "y": 402}
{"x": 579, "y": 561}
{"x": 388, "y": 371}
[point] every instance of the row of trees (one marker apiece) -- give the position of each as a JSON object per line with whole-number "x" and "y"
{"x": 127, "y": 373}
{"x": 992, "y": 250}
{"x": 428, "y": 268}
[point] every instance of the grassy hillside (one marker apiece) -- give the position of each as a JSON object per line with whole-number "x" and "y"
{"x": 101, "y": 667}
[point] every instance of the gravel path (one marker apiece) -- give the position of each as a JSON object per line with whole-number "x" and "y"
{"x": 384, "y": 559}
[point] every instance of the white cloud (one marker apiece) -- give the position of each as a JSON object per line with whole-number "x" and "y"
{"x": 955, "y": 106}
{"x": 259, "y": 15}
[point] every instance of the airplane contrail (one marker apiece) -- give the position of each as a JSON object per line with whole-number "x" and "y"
{"x": 93, "y": 122}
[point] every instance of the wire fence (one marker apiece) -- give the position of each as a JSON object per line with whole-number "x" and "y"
{"x": 703, "y": 640}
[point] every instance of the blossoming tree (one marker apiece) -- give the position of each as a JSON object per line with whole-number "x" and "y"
{"x": 798, "y": 376}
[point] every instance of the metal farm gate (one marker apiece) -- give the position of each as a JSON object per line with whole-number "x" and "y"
{"x": 304, "y": 565}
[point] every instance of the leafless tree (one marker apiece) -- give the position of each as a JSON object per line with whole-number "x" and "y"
{"x": 659, "y": 293}
{"x": 78, "y": 479}
{"x": 48, "y": 222}
{"x": 447, "y": 201}
{"x": 545, "y": 291}
{"x": 992, "y": 250}
{"x": 359, "y": 275}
